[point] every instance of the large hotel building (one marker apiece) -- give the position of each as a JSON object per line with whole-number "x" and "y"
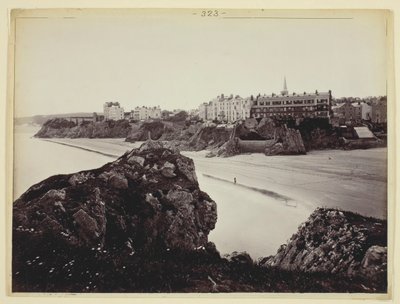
{"x": 285, "y": 106}
{"x": 282, "y": 106}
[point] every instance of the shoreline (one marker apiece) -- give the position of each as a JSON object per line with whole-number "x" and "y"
{"x": 82, "y": 148}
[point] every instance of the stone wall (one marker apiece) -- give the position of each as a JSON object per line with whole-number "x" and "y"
{"x": 254, "y": 146}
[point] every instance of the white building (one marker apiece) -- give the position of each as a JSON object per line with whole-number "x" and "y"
{"x": 144, "y": 113}
{"x": 113, "y": 111}
{"x": 229, "y": 109}
{"x": 366, "y": 110}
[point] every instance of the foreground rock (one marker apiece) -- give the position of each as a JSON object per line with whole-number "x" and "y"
{"x": 146, "y": 202}
{"x": 336, "y": 242}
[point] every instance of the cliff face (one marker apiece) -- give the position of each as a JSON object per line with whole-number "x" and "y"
{"x": 149, "y": 130}
{"x": 163, "y": 130}
{"x": 60, "y": 128}
{"x": 336, "y": 242}
{"x": 208, "y": 137}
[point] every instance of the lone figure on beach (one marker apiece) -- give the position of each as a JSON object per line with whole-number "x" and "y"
{"x": 234, "y": 180}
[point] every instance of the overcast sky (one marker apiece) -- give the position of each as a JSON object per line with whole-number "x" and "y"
{"x": 179, "y": 60}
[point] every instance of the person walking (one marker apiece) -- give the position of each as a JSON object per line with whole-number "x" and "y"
{"x": 234, "y": 180}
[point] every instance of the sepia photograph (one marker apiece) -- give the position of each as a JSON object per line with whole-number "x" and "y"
{"x": 200, "y": 151}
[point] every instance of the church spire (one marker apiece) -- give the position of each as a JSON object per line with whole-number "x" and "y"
{"x": 285, "y": 90}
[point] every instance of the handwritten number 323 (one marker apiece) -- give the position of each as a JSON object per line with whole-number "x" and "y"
{"x": 209, "y": 13}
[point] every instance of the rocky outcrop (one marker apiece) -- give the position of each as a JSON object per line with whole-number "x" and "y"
{"x": 146, "y": 202}
{"x": 60, "y": 128}
{"x": 177, "y": 132}
{"x": 209, "y": 137}
{"x": 290, "y": 142}
{"x": 374, "y": 263}
{"x": 149, "y": 130}
{"x": 151, "y": 187}
{"x": 265, "y": 136}
{"x": 239, "y": 258}
{"x": 336, "y": 242}
{"x": 230, "y": 148}
{"x": 182, "y": 133}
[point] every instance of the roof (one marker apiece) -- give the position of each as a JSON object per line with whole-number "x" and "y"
{"x": 305, "y": 94}
{"x": 363, "y": 132}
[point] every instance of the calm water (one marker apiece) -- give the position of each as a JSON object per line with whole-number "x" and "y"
{"x": 35, "y": 160}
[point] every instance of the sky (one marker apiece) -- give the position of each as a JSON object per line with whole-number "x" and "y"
{"x": 178, "y": 59}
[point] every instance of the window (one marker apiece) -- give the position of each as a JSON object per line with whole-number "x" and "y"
{"x": 276, "y": 102}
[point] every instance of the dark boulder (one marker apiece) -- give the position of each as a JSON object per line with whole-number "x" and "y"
{"x": 125, "y": 207}
{"x": 336, "y": 242}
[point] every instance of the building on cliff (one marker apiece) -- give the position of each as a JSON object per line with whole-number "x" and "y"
{"x": 144, "y": 113}
{"x": 379, "y": 110}
{"x": 113, "y": 111}
{"x": 286, "y": 106}
{"x": 228, "y": 109}
{"x": 352, "y": 111}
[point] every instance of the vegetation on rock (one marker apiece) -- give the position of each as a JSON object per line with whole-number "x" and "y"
{"x": 334, "y": 241}
{"x": 61, "y": 128}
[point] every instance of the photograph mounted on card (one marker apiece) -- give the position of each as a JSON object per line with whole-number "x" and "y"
{"x": 200, "y": 150}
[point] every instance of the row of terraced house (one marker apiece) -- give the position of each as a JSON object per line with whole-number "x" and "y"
{"x": 374, "y": 110}
{"x": 281, "y": 106}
